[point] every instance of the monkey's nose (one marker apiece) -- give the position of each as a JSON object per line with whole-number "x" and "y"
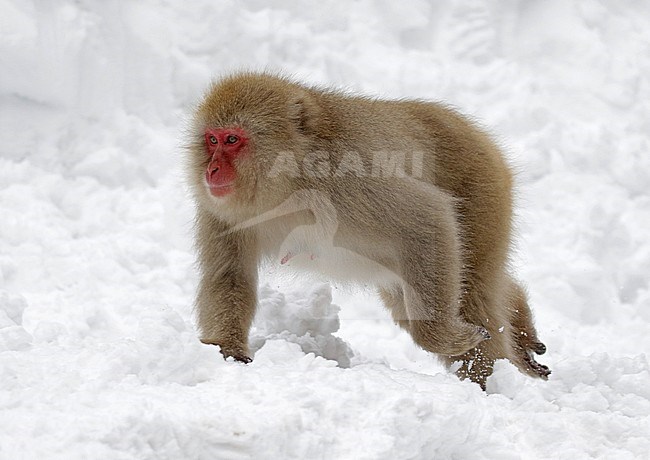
{"x": 211, "y": 174}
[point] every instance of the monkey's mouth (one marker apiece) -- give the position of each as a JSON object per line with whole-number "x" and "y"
{"x": 221, "y": 190}
{"x": 218, "y": 183}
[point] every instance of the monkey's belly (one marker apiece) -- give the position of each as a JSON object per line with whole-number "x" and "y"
{"x": 336, "y": 263}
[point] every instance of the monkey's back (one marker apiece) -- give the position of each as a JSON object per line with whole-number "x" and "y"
{"x": 459, "y": 157}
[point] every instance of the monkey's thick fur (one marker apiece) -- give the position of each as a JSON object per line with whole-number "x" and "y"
{"x": 442, "y": 238}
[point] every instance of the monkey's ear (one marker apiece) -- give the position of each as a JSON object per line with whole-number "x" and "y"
{"x": 304, "y": 113}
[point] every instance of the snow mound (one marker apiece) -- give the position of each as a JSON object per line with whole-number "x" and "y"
{"x": 307, "y": 318}
{"x": 12, "y": 334}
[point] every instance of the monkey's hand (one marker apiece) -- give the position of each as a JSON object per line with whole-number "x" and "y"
{"x": 230, "y": 351}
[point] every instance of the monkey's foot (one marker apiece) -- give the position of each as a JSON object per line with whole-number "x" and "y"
{"x": 235, "y": 352}
{"x": 526, "y": 359}
{"x": 537, "y": 369}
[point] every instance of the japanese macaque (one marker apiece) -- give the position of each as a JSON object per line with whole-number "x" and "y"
{"x": 407, "y": 195}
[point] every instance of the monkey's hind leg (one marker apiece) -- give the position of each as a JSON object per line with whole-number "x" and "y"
{"x": 393, "y": 299}
{"x": 431, "y": 286}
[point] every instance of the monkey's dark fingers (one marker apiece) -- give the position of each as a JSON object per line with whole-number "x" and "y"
{"x": 237, "y": 355}
{"x": 540, "y": 370}
{"x": 539, "y": 348}
{"x": 243, "y": 359}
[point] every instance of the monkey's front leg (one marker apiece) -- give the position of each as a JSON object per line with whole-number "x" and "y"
{"x": 226, "y": 306}
{"x": 226, "y": 296}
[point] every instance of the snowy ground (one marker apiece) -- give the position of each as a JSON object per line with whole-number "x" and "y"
{"x": 98, "y": 353}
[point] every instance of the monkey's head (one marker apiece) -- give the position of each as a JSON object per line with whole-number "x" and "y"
{"x": 243, "y": 123}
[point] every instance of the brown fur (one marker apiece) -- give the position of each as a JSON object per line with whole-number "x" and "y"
{"x": 445, "y": 236}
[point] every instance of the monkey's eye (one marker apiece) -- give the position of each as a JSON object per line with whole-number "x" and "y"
{"x": 213, "y": 140}
{"x": 232, "y": 139}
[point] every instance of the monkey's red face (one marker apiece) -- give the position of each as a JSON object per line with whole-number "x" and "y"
{"x": 223, "y": 146}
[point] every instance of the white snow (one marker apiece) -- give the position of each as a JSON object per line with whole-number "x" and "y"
{"x": 99, "y": 356}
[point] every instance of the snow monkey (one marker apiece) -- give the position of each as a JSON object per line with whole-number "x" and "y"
{"x": 408, "y": 196}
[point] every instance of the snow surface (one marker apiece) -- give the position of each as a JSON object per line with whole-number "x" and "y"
{"x": 99, "y": 356}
